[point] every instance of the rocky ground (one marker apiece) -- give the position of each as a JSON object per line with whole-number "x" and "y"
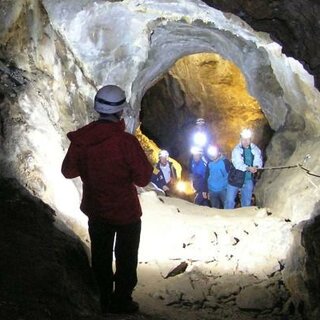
{"x": 45, "y": 274}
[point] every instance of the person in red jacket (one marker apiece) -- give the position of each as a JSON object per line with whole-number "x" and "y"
{"x": 110, "y": 163}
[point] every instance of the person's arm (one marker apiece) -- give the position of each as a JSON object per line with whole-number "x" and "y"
{"x": 70, "y": 164}
{"x": 141, "y": 169}
{"x": 237, "y": 159}
{"x": 257, "y": 160}
{"x": 206, "y": 177}
{"x": 173, "y": 172}
{"x": 154, "y": 176}
{"x": 227, "y": 165}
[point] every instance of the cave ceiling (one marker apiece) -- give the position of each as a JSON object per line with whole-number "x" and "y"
{"x": 293, "y": 24}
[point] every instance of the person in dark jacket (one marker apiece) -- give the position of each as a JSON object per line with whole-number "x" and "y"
{"x": 217, "y": 177}
{"x": 110, "y": 163}
{"x": 164, "y": 173}
{"x": 246, "y": 160}
{"x": 197, "y": 170}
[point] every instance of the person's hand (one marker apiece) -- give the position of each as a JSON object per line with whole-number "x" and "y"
{"x": 165, "y": 188}
{"x": 205, "y": 195}
{"x": 252, "y": 169}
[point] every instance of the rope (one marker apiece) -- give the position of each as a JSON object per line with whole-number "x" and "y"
{"x": 309, "y": 172}
{"x": 279, "y": 167}
{"x": 298, "y": 165}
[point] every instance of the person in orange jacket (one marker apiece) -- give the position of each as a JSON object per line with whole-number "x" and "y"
{"x": 110, "y": 163}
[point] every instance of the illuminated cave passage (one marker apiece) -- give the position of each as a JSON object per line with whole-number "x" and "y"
{"x": 242, "y": 264}
{"x": 207, "y": 86}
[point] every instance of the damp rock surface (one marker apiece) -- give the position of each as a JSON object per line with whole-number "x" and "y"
{"x": 293, "y": 24}
{"x": 255, "y": 298}
{"x": 45, "y": 273}
{"x": 55, "y": 54}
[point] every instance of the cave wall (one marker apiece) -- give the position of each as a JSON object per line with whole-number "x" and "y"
{"x": 44, "y": 94}
{"x": 167, "y": 118}
{"x": 54, "y": 53}
{"x": 45, "y": 273}
{"x": 293, "y": 24}
{"x": 60, "y": 77}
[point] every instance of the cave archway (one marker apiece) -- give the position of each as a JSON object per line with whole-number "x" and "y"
{"x": 135, "y": 52}
{"x": 207, "y": 86}
{"x": 271, "y": 79}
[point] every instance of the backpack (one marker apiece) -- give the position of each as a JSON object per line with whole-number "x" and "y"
{"x": 236, "y": 177}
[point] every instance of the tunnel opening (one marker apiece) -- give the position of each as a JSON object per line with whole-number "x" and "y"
{"x": 202, "y": 85}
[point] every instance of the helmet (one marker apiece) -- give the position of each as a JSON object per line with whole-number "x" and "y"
{"x": 246, "y": 134}
{"x": 110, "y": 99}
{"x": 164, "y": 153}
{"x": 200, "y": 121}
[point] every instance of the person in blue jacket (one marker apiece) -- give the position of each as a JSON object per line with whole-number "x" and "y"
{"x": 164, "y": 173}
{"x": 217, "y": 177}
{"x": 197, "y": 169}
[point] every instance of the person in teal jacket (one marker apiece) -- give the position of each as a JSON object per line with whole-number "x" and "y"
{"x": 217, "y": 177}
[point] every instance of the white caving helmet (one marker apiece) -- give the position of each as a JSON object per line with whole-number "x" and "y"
{"x": 200, "y": 121}
{"x": 110, "y": 99}
{"x": 164, "y": 153}
{"x": 246, "y": 134}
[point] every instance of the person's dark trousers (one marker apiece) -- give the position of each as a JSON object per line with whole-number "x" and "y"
{"x": 200, "y": 200}
{"x": 127, "y": 239}
{"x": 217, "y": 198}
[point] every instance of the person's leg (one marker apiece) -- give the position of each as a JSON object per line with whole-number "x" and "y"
{"x": 231, "y": 194}
{"x": 197, "y": 198}
{"x": 222, "y": 197}
{"x": 200, "y": 200}
{"x": 246, "y": 193}
{"x": 214, "y": 199}
{"x": 126, "y": 252}
{"x": 102, "y": 238}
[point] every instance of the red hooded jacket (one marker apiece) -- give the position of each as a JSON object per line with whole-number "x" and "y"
{"x": 110, "y": 163}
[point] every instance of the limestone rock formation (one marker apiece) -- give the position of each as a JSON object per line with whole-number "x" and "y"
{"x": 45, "y": 273}
{"x": 54, "y": 55}
{"x": 293, "y": 24}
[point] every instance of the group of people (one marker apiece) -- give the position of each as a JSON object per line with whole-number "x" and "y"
{"x": 217, "y": 181}
{"x": 111, "y": 163}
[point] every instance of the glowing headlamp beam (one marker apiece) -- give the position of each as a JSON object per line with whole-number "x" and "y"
{"x": 181, "y": 186}
{"x": 196, "y": 150}
{"x": 213, "y": 151}
{"x": 200, "y": 139}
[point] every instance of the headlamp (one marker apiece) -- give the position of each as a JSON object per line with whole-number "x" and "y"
{"x": 246, "y": 134}
{"x": 200, "y": 139}
{"x": 196, "y": 150}
{"x": 181, "y": 186}
{"x": 213, "y": 151}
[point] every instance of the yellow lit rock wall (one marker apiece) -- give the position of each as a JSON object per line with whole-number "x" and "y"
{"x": 218, "y": 91}
{"x": 152, "y": 151}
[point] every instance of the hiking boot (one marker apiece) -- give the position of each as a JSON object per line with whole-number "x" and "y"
{"x": 126, "y": 307}
{"x": 105, "y": 304}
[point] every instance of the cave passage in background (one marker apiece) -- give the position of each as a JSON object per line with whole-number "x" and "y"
{"x": 207, "y": 86}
